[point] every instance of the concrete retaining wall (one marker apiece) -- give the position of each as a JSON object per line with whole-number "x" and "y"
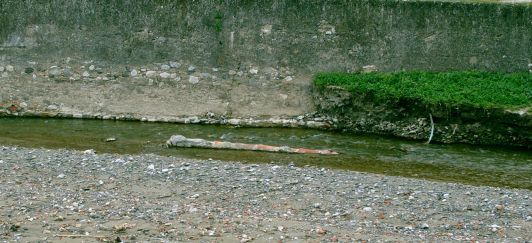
{"x": 235, "y": 58}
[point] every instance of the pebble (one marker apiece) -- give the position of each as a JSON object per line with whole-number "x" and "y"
{"x": 191, "y": 68}
{"x": 133, "y": 73}
{"x": 89, "y": 152}
{"x": 61, "y": 176}
{"x": 2, "y": 69}
{"x": 165, "y": 67}
{"x": 86, "y": 74}
{"x": 92, "y": 67}
{"x": 237, "y": 199}
{"x": 10, "y": 68}
{"x": 288, "y": 78}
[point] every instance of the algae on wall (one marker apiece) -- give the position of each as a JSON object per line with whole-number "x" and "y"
{"x": 311, "y": 35}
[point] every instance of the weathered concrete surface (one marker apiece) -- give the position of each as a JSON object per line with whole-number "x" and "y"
{"x": 235, "y": 58}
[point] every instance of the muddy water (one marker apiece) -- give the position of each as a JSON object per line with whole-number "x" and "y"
{"x": 455, "y": 163}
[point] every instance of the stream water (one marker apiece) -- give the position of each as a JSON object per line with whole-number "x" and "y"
{"x": 477, "y": 165}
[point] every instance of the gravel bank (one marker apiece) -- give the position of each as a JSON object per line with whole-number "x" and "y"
{"x": 69, "y": 196}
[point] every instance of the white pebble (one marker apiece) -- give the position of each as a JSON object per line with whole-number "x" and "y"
{"x": 89, "y": 152}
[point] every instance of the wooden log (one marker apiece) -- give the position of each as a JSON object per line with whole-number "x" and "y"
{"x": 184, "y": 142}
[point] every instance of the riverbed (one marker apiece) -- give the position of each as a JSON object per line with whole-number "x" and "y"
{"x": 81, "y": 196}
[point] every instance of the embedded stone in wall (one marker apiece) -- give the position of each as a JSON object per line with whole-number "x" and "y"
{"x": 151, "y": 74}
{"x": 165, "y": 75}
{"x": 193, "y": 79}
{"x": 266, "y": 29}
{"x": 54, "y": 71}
{"x": 369, "y": 68}
{"x": 175, "y": 65}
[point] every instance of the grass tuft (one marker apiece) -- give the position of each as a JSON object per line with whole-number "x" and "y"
{"x": 457, "y": 88}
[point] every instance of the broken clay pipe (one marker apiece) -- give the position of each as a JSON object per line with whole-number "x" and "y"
{"x": 183, "y": 142}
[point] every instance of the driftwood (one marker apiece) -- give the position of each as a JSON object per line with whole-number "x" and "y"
{"x": 183, "y": 142}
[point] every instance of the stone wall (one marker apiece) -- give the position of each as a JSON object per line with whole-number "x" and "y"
{"x": 235, "y": 58}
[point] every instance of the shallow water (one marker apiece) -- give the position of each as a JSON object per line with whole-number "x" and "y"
{"x": 477, "y": 165}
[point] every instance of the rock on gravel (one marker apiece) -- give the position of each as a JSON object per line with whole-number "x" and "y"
{"x": 155, "y": 198}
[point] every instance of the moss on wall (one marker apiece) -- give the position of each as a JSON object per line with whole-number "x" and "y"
{"x": 393, "y": 35}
